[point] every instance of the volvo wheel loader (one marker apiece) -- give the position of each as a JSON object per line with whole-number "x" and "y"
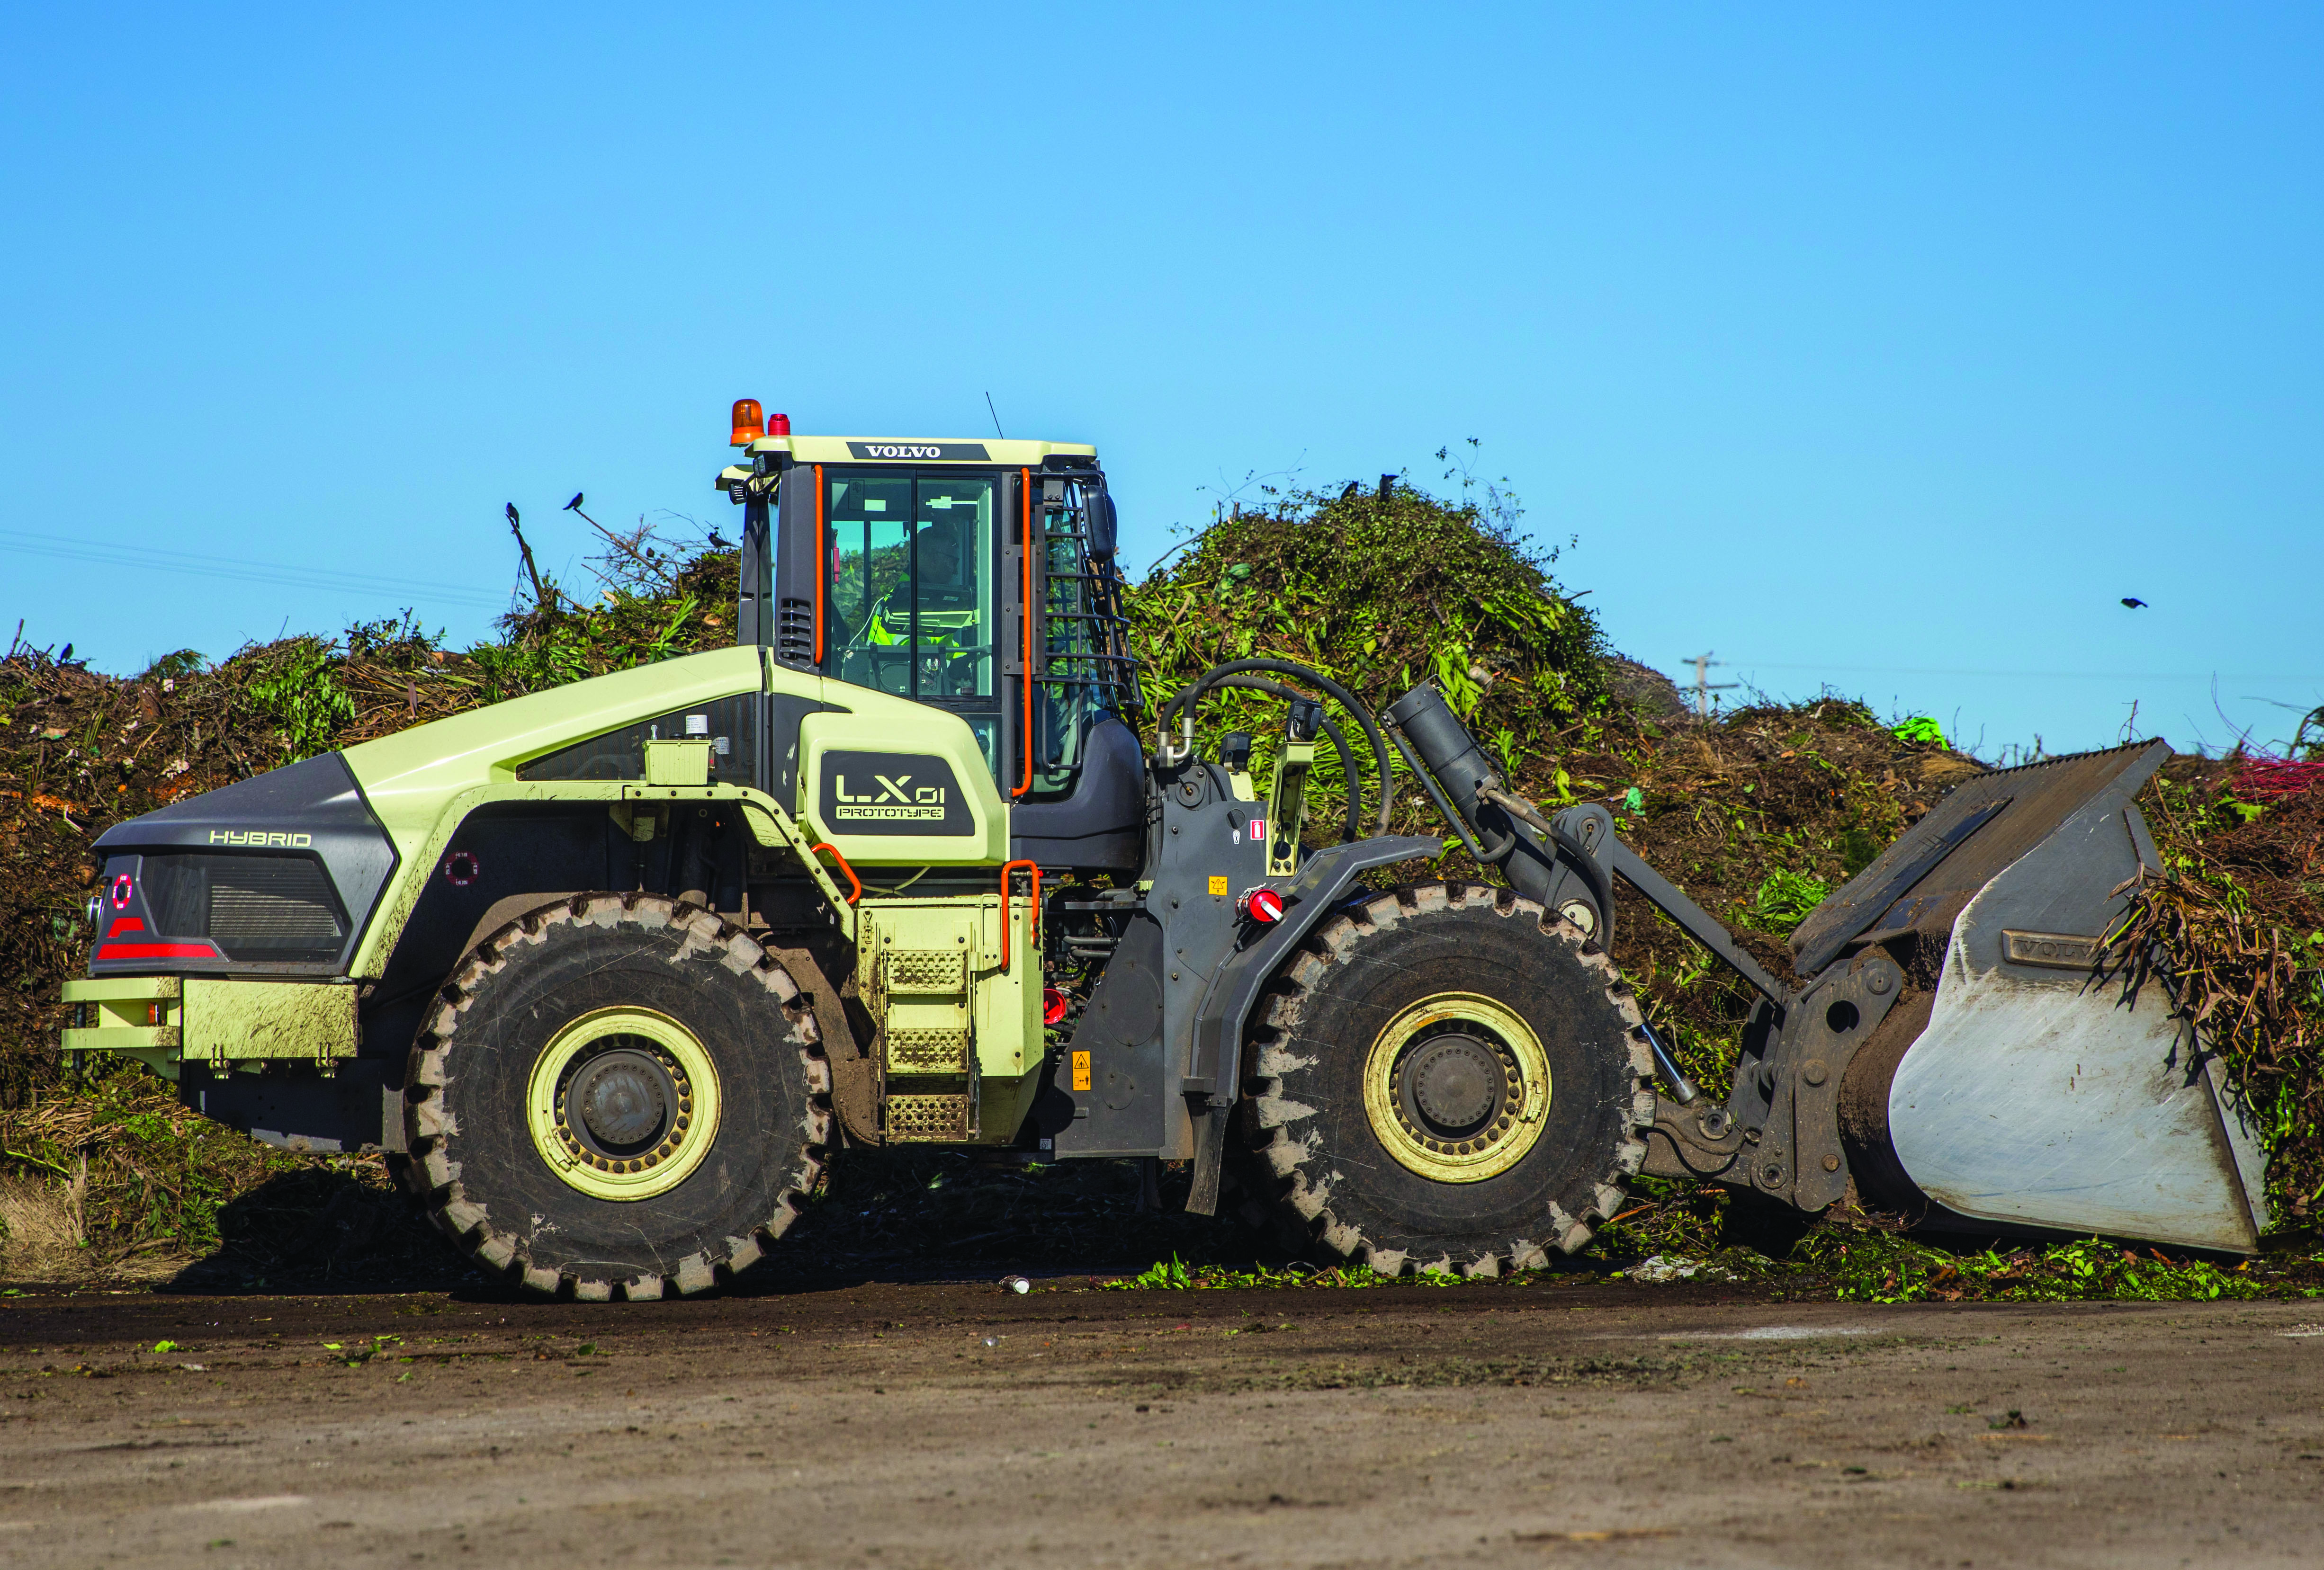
{"x": 611, "y": 971}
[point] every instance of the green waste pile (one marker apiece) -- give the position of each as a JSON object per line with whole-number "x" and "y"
{"x": 1757, "y": 813}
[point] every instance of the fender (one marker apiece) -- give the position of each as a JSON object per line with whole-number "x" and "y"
{"x": 1216, "y": 1077}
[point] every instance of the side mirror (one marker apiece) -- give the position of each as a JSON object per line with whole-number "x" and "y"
{"x": 1105, "y": 528}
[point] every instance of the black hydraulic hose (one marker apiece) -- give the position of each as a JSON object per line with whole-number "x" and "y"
{"x": 1355, "y": 830}
{"x": 1192, "y": 694}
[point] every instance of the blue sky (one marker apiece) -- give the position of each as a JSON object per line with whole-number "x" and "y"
{"x": 1878, "y": 348}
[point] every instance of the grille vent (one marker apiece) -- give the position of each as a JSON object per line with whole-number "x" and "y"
{"x": 279, "y": 909}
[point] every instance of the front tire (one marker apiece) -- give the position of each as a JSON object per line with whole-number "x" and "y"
{"x": 617, "y": 1093}
{"x": 1449, "y": 1077}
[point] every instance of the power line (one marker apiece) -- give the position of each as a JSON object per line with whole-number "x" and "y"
{"x": 280, "y": 574}
{"x": 2043, "y": 675}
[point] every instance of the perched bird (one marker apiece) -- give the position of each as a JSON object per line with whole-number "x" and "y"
{"x": 574, "y": 505}
{"x": 511, "y": 514}
{"x": 1350, "y": 494}
{"x": 2134, "y": 603}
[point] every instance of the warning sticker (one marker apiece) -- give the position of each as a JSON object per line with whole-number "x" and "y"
{"x": 1218, "y": 885}
{"x": 1081, "y": 1070}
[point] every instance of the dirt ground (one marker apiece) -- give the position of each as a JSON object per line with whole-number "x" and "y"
{"x": 890, "y": 1426}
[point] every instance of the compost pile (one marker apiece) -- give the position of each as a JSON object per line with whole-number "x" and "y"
{"x": 1757, "y": 813}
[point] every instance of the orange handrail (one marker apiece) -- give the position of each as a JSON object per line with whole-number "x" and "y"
{"x": 853, "y": 882}
{"x": 1025, "y": 615}
{"x": 820, "y": 565}
{"x": 1006, "y": 869}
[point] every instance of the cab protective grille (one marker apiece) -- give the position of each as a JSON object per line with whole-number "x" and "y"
{"x": 255, "y": 907}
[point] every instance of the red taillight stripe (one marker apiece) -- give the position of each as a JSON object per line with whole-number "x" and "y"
{"x": 126, "y": 925}
{"x": 158, "y": 952}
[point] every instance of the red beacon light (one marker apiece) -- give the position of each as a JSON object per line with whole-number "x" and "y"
{"x": 1262, "y": 906}
{"x": 778, "y": 425}
{"x": 1053, "y": 1006}
{"x": 749, "y": 424}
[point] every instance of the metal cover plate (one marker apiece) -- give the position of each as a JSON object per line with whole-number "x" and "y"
{"x": 2058, "y": 950}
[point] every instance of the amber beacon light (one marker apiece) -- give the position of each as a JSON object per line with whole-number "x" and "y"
{"x": 750, "y": 424}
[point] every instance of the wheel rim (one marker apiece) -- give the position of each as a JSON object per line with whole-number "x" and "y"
{"x": 622, "y": 1104}
{"x": 1457, "y": 1087}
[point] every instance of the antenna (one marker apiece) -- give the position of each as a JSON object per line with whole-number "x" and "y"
{"x": 1703, "y": 685}
{"x": 996, "y": 417}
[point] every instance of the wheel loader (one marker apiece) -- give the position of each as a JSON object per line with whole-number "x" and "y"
{"x": 610, "y": 971}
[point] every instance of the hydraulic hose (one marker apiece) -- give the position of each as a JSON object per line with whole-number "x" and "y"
{"x": 1355, "y": 830}
{"x": 1190, "y": 697}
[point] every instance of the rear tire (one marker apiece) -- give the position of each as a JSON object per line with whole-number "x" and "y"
{"x": 616, "y": 1094}
{"x": 1448, "y": 1078}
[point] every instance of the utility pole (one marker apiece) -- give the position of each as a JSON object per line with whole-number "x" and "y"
{"x": 1703, "y": 685}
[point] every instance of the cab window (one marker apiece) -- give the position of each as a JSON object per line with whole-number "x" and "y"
{"x": 912, "y": 583}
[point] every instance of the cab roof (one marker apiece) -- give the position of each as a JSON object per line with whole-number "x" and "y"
{"x": 919, "y": 450}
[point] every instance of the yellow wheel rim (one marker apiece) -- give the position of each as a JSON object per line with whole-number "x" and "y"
{"x": 622, "y": 1104}
{"x": 1457, "y": 1087}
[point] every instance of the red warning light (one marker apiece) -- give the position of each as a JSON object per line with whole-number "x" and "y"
{"x": 1263, "y": 905}
{"x": 1053, "y": 1006}
{"x": 778, "y": 425}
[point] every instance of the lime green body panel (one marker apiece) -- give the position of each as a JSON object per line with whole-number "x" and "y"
{"x": 219, "y": 1020}
{"x": 958, "y": 1024}
{"x": 670, "y": 763}
{"x": 878, "y": 722}
{"x": 421, "y": 783}
{"x": 237, "y": 1018}
{"x": 411, "y": 777}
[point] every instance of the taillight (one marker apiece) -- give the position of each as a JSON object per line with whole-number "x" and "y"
{"x": 123, "y": 888}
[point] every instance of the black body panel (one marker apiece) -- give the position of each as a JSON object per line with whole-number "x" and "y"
{"x": 1122, "y": 1111}
{"x": 313, "y": 809}
{"x": 730, "y": 724}
{"x": 1100, "y": 825}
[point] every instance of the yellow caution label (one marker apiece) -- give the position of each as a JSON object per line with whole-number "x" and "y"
{"x": 1081, "y": 1071}
{"x": 1218, "y": 885}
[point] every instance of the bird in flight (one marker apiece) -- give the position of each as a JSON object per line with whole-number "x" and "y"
{"x": 2134, "y": 603}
